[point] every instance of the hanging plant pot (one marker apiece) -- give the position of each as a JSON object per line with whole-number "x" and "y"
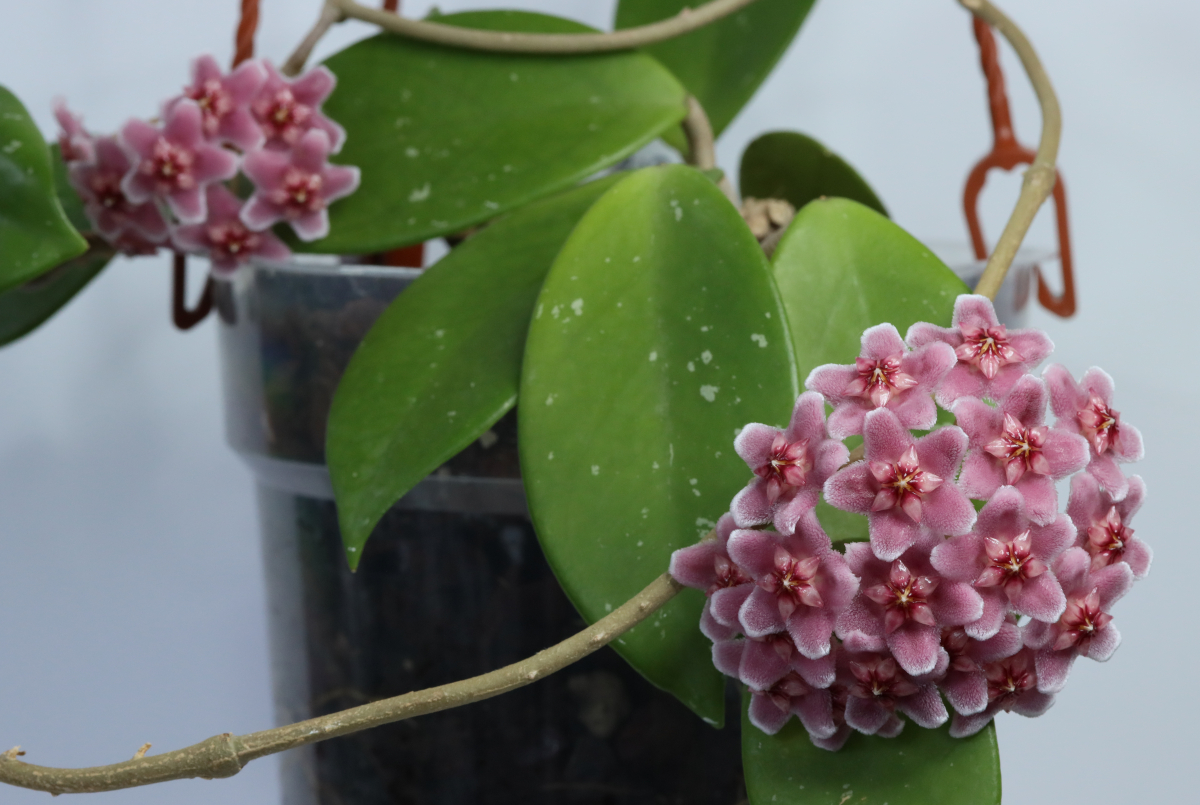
{"x": 452, "y": 584}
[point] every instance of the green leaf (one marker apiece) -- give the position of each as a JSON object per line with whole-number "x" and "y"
{"x": 723, "y": 63}
{"x": 35, "y": 235}
{"x": 794, "y": 166}
{"x": 71, "y": 203}
{"x": 842, "y": 268}
{"x": 443, "y": 363}
{"x": 25, "y": 307}
{"x": 658, "y": 333}
{"x": 448, "y": 138}
{"x": 920, "y": 767}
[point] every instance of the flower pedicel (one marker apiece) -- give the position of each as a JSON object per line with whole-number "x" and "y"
{"x": 989, "y": 610}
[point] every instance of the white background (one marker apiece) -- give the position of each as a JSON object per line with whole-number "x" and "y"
{"x": 131, "y": 598}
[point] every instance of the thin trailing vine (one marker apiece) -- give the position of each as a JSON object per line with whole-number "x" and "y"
{"x": 225, "y": 755}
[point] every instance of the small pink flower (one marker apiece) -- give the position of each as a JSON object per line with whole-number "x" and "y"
{"x": 706, "y": 566}
{"x": 990, "y": 359}
{"x": 877, "y": 687}
{"x": 902, "y": 485}
{"x": 175, "y": 163}
{"x": 1012, "y": 446}
{"x": 1007, "y": 559}
{"x": 1012, "y": 686}
{"x": 223, "y": 236}
{"x": 1085, "y": 627}
{"x": 760, "y": 662}
{"x": 790, "y": 466}
{"x": 902, "y": 605}
{"x": 74, "y": 142}
{"x": 296, "y": 186}
{"x": 224, "y": 101}
{"x": 1103, "y": 524}
{"x": 965, "y": 683}
{"x": 892, "y": 727}
{"x": 1086, "y": 408}
{"x": 801, "y": 584}
{"x": 885, "y": 375}
{"x": 98, "y": 182}
{"x": 288, "y": 109}
{"x": 771, "y": 708}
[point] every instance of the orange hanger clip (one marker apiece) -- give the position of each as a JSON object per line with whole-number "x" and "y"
{"x": 1007, "y": 154}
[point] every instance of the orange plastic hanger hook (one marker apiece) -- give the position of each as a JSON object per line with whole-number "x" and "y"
{"x": 1007, "y": 154}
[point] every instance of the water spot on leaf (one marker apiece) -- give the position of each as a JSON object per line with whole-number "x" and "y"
{"x": 709, "y": 392}
{"x": 759, "y": 339}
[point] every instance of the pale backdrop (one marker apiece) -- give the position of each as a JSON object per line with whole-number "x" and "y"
{"x": 131, "y": 598}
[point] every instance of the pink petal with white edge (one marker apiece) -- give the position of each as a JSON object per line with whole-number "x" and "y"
{"x": 965, "y": 726}
{"x": 258, "y": 214}
{"x": 727, "y": 656}
{"x": 961, "y": 382}
{"x": 948, "y": 511}
{"x": 995, "y": 608}
{"x": 922, "y": 333}
{"x": 942, "y": 451}
{"x": 183, "y": 125}
{"x": 1032, "y": 704}
{"x": 978, "y": 420}
{"x": 808, "y": 418}
{"x": 866, "y": 716}
{"x": 966, "y": 692}
{"x": 892, "y": 727}
{"x": 214, "y": 164}
{"x": 884, "y": 438}
{"x": 313, "y": 226}
{"x": 1139, "y": 557}
{"x": 693, "y": 566}
{"x": 1033, "y": 345}
{"x": 1066, "y": 398}
{"x": 973, "y": 310}
{"x": 1050, "y": 540}
{"x": 188, "y": 205}
{"x": 831, "y": 379}
{"x": 1129, "y": 444}
{"x": 924, "y": 707}
{"x": 846, "y": 420}
{"x": 929, "y": 364}
{"x": 1099, "y": 382}
{"x": 761, "y": 665}
{"x": 893, "y": 532}
{"x": 765, "y": 715}
{"x": 759, "y": 615}
{"x": 241, "y": 129}
{"x": 314, "y": 87}
{"x": 1041, "y": 498}
{"x": 915, "y": 648}
{"x": 915, "y": 410}
{"x": 1027, "y": 401}
{"x": 981, "y": 476}
{"x": 753, "y": 551}
{"x": 311, "y": 151}
{"x": 265, "y": 168}
{"x": 956, "y": 603}
{"x": 815, "y": 712}
{"x": 1053, "y": 668}
{"x": 1112, "y": 582}
{"x": 1067, "y": 453}
{"x": 820, "y": 673}
{"x": 882, "y": 341}
{"x": 1105, "y": 470}
{"x": 711, "y": 628}
{"x": 1041, "y": 598}
{"x": 753, "y": 444}
{"x": 959, "y": 558}
{"x": 788, "y": 516}
{"x": 750, "y": 506}
{"x": 726, "y": 603}
{"x": 1004, "y": 515}
{"x": 811, "y": 629}
{"x": 1106, "y": 641}
{"x": 835, "y": 742}
{"x": 852, "y": 489}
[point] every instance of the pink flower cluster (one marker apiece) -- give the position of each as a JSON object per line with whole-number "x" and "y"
{"x": 947, "y": 612}
{"x": 164, "y": 183}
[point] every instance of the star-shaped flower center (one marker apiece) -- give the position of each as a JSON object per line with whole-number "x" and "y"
{"x": 987, "y": 349}
{"x": 214, "y": 102}
{"x": 106, "y": 186}
{"x": 903, "y": 596}
{"x": 1008, "y": 678}
{"x": 726, "y": 574}
{"x": 903, "y": 484}
{"x": 880, "y": 678}
{"x": 233, "y": 238}
{"x": 1020, "y": 449}
{"x": 170, "y": 166}
{"x": 786, "y": 689}
{"x": 1081, "y": 621}
{"x": 1100, "y": 424}
{"x": 879, "y": 381}
{"x": 1107, "y": 539}
{"x": 1010, "y": 563}
{"x": 300, "y": 193}
{"x": 283, "y": 116}
{"x": 786, "y": 468}
{"x": 792, "y": 580}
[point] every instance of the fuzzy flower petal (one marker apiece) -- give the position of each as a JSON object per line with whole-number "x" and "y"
{"x": 223, "y": 236}
{"x": 224, "y": 101}
{"x": 116, "y": 218}
{"x": 288, "y": 109}
{"x": 1103, "y": 523}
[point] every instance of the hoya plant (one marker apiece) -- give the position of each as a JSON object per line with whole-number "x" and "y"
{"x": 765, "y": 435}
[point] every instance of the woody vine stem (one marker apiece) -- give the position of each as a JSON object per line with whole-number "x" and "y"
{"x": 225, "y": 755}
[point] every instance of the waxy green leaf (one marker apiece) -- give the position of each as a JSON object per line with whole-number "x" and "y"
{"x": 71, "y": 203}
{"x": 27, "y": 306}
{"x": 795, "y": 167}
{"x": 443, "y": 363}
{"x": 920, "y": 767}
{"x": 35, "y": 235}
{"x": 842, "y": 268}
{"x": 657, "y": 335}
{"x": 447, "y": 138}
{"x": 723, "y": 63}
